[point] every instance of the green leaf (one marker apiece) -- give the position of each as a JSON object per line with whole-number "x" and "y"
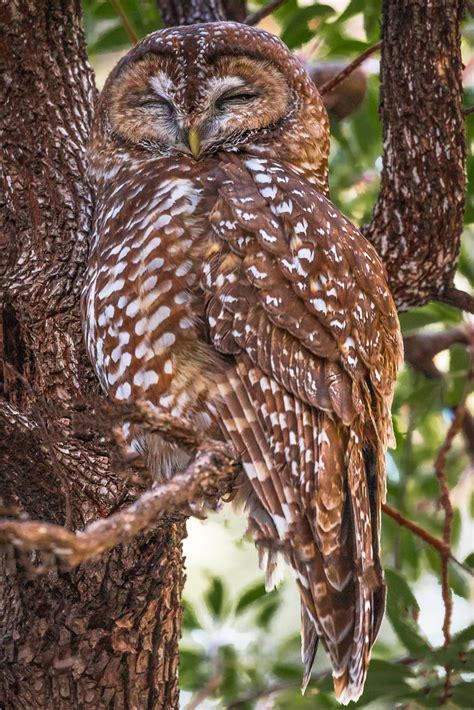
{"x": 250, "y": 595}
{"x": 192, "y": 669}
{"x": 458, "y": 366}
{"x": 458, "y": 582}
{"x": 265, "y": 616}
{"x": 469, "y": 561}
{"x": 385, "y": 680}
{"x": 298, "y": 31}
{"x": 353, "y": 8}
{"x": 112, "y": 39}
{"x": 372, "y": 17}
{"x": 451, "y": 657}
{"x": 426, "y": 315}
{"x": 214, "y": 597}
{"x": 402, "y": 610}
{"x": 190, "y": 620}
{"x": 287, "y": 671}
{"x": 465, "y": 636}
{"x": 463, "y": 694}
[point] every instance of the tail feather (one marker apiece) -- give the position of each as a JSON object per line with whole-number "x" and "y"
{"x": 309, "y": 646}
{"x": 307, "y": 495}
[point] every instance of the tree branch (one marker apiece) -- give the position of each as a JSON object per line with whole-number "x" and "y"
{"x": 460, "y": 299}
{"x": 129, "y": 29}
{"x": 190, "y": 12}
{"x": 207, "y": 478}
{"x": 259, "y": 15}
{"x": 421, "y": 348}
{"x": 418, "y": 219}
{"x": 424, "y": 535}
{"x": 332, "y": 83}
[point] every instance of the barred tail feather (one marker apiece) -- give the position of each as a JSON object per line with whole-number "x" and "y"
{"x": 306, "y": 492}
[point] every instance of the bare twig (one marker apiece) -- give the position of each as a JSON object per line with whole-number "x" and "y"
{"x": 259, "y": 15}
{"x": 207, "y": 478}
{"x": 128, "y": 27}
{"x": 332, "y": 83}
{"x": 414, "y": 528}
{"x": 457, "y": 298}
{"x": 424, "y": 535}
{"x": 168, "y": 427}
{"x": 467, "y": 111}
{"x": 206, "y": 691}
{"x": 264, "y": 693}
{"x": 445, "y": 503}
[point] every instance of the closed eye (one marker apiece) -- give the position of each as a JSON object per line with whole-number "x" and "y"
{"x": 155, "y": 102}
{"x": 235, "y": 98}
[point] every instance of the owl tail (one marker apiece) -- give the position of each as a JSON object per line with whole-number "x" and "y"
{"x": 309, "y": 494}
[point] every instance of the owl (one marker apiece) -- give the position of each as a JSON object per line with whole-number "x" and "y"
{"x": 224, "y": 287}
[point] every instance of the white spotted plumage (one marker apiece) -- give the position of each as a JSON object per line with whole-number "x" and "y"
{"x": 225, "y": 288}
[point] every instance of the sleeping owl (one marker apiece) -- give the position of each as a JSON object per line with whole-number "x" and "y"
{"x": 225, "y": 288}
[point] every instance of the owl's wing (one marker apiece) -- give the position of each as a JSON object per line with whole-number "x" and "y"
{"x": 300, "y": 299}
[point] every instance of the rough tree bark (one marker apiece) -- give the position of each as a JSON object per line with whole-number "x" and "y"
{"x": 418, "y": 218}
{"x": 106, "y": 634}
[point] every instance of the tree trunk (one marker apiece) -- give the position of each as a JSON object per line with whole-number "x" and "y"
{"x": 105, "y": 634}
{"x": 191, "y": 12}
{"x": 418, "y": 218}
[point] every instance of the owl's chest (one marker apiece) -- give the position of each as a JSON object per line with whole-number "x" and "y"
{"x": 143, "y": 304}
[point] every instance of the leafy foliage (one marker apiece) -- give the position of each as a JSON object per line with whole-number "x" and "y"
{"x": 235, "y": 640}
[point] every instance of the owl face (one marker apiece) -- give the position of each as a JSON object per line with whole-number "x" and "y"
{"x": 206, "y": 88}
{"x": 159, "y": 103}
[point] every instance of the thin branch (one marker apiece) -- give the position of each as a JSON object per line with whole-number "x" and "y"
{"x": 259, "y": 15}
{"x": 467, "y": 111}
{"x": 332, "y": 83}
{"x": 264, "y": 693}
{"x": 206, "y": 691}
{"x": 420, "y": 348}
{"x": 424, "y": 535}
{"x": 416, "y": 529}
{"x": 445, "y": 503}
{"x": 457, "y": 298}
{"x": 208, "y": 477}
{"x": 128, "y": 27}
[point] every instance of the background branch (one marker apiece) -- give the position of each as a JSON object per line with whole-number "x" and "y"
{"x": 344, "y": 73}
{"x": 459, "y": 299}
{"x": 266, "y": 10}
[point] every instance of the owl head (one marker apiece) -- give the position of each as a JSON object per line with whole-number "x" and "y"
{"x": 222, "y": 86}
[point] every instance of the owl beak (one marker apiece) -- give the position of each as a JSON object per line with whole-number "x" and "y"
{"x": 194, "y": 141}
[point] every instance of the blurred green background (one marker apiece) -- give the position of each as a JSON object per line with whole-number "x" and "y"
{"x": 240, "y": 643}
